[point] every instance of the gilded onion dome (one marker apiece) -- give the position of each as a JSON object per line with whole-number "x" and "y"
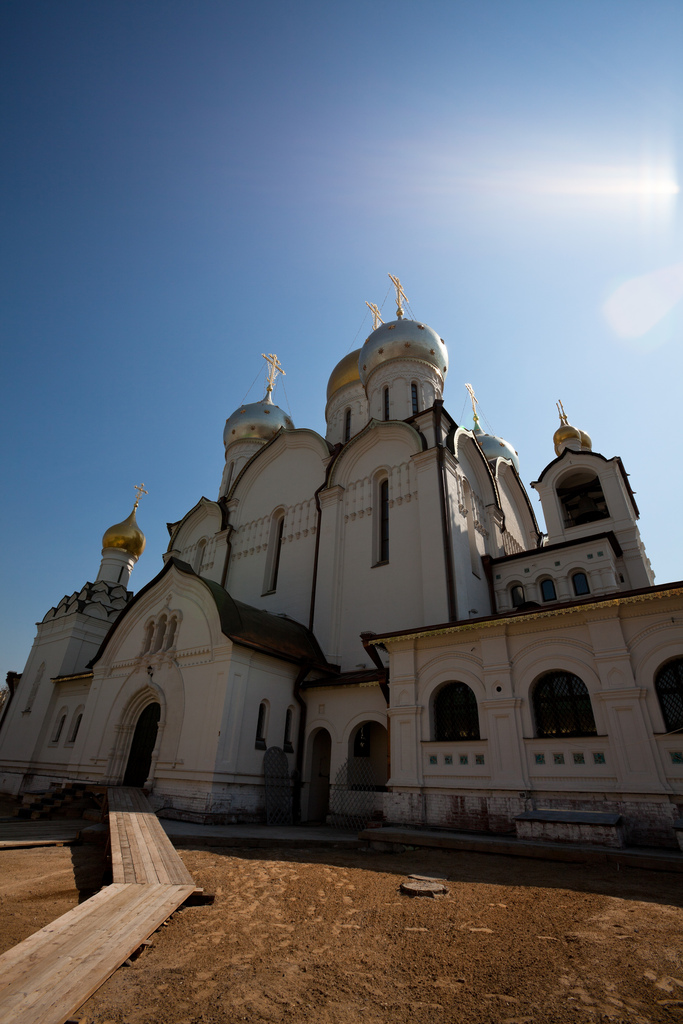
{"x": 258, "y": 421}
{"x": 402, "y": 339}
{"x": 495, "y": 447}
{"x": 566, "y": 432}
{"x": 126, "y": 535}
{"x": 345, "y": 372}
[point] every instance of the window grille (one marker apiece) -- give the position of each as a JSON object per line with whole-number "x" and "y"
{"x": 455, "y": 713}
{"x": 580, "y": 583}
{"x": 548, "y": 590}
{"x": 669, "y": 688}
{"x": 361, "y": 741}
{"x": 413, "y": 398}
{"x": 562, "y": 706}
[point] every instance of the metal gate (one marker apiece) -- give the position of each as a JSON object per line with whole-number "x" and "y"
{"x": 355, "y": 796}
{"x": 278, "y": 787}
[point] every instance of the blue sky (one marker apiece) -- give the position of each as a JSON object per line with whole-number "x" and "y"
{"x": 188, "y": 185}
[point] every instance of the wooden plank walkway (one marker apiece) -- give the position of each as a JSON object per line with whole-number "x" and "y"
{"x": 140, "y": 849}
{"x": 15, "y": 832}
{"x": 45, "y": 978}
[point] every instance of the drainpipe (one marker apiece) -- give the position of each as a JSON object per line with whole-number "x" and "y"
{"x": 384, "y": 687}
{"x": 445, "y": 520}
{"x": 298, "y": 771}
{"x": 322, "y": 487}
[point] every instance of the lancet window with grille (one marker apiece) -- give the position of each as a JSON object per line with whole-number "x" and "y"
{"x": 562, "y": 706}
{"x": 669, "y": 687}
{"x": 455, "y": 713}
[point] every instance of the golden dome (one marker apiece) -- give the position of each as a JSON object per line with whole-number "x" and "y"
{"x": 345, "y": 372}
{"x": 126, "y": 535}
{"x": 566, "y": 431}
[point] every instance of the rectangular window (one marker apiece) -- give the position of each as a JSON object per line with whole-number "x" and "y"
{"x": 386, "y": 403}
{"x": 413, "y": 397}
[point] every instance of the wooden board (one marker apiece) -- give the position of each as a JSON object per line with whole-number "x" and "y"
{"x": 141, "y": 851}
{"x": 20, "y": 832}
{"x": 47, "y": 977}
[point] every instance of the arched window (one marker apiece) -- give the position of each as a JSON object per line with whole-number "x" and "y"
{"x": 548, "y": 590}
{"x": 199, "y": 556}
{"x": 385, "y": 398}
{"x": 228, "y": 476}
{"x": 170, "y": 636}
{"x": 517, "y": 595}
{"x": 582, "y": 498}
{"x": 413, "y": 398}
{"x": 149, "y": 637}
{"x": 76, "y": 727}
{"x": 161, "y": 630}
{"x": 287, "y": 744}
{"x": 261, "y": 725}
{"x": 277, "y": 529}
{"x": 669, "y": 689}
{"x": 347, "y": 425}
{"x": 562, "y": 706}
{"x": 58, "y": 730}
{"x": 580, "y": 584}
{"x": 383, "y": 538}
{"x": 455, "y": 713}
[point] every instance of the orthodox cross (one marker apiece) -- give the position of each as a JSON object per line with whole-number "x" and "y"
{"x": 139, "y": 491}
{"x": 563, "y": 415}
{"x": 376, "y": 315}
{"x": 400, "y": 294}
{"x": 475, "y": 403}
{"x": 273, "y": 369}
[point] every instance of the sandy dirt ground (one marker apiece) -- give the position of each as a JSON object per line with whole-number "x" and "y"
{"x": 324, "y": 935}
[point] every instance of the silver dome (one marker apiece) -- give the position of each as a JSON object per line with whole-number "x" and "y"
{"x": 258, "y": 421}
{"x": 496, "y": 448}
{"x": 402, "y": 339}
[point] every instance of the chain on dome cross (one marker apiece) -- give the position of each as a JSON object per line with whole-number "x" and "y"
{"x": 376, "y": 315}
{"x": 273, "y": 369}
{"x": 475, "y": 403}
{"x": 139, "y": 491}
{"x": 400, "y": 294}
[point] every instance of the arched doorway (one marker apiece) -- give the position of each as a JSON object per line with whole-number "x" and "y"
{"x": 369, "y": 740}
{"x": 144, "y": 739}
{"x": 319, "y": 789}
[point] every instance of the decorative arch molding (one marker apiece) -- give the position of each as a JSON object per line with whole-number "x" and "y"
{"x": 466, "y": 449}
{"x": 128, "y": 715}
{"x": 205, "y": 512}
{"x": 376, "y": 432}
{"x": 645, "y": 671}
{"x": 553, "y": 662}
{"x": 452, "y": 672}
{"x": 560, "y": 642}
{"x": 368, "y": 716}
{"x": 299, "y": 439}
{"x": 645, "y": 635}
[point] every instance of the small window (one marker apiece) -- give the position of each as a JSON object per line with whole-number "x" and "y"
{"x": 562, "y": 706}
{"x": 361, "y": 741}
{"x": 455, "y": 713}
{"x": 74, "y": 731}
{"x": 287, "y": 744}
{"x": 669, "y": 689}
{"x": 149, "y": 637}
{"x": 548, "y": 590}
{"x": 517, "y": 595}
{"x": 170, "y": 637}
{"x": 161, "y": 630}
{"x": 413, "y": 398}
{"x": 347, "y": 425}
{"x": 580, "y": 584}
{"x": 277, "y": 530}
{"x": 261, "y": 726}
{"x": 199, "y": 556}
{"x": 386, "y": 403}
{"x": 58, "y": 730}
{"x": 384, "y": 521}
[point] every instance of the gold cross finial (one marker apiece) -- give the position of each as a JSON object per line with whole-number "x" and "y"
{"x": 563, "y": 415}
{"x": 376, "y": 315}
{"x": 400, "y": 294}
{"x": 139, "y": 491}
{"x": 474, "y": 400}
{"x": 273, "y": 369}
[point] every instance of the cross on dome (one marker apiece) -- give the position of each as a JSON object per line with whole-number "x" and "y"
{"x": 400, "y": 294}
{"x": 139, "y": 491}
{"x": 273, "y": 369}
{"x": 376, "y": 315}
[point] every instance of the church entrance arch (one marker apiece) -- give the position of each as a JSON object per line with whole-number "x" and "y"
{"x": 369, "y": 741}
{"x": 319, "y": 784}
{"x": 142, "y": 747}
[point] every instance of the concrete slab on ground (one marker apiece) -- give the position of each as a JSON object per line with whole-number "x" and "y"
{"x": 187, "y": 833}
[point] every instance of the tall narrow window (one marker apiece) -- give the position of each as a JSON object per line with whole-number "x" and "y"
{"x": 170, "y": 636}
{"x": 548, "y": 590}
{"x": 274, "y": 550}
{"x": 278, "y": 549}
{"x": 161, "y": 630}
{"x": 580, "y": 584}
{"x": 517, "y": 595}
{"x": 384, "y": 521}
{"x": 74, "y": 731}
{"x": 413, "y": 397}
{"x": 347, "y": 425}
{"x": 386, "y": 403}
{"x": 199, "y": 556}
{"x": 149, "y": 638}
{"x": 58, "y": 731}
{"x": 669, "y": 689}
{"x": 261, "y": 726}
{"x": 287, "y": 745}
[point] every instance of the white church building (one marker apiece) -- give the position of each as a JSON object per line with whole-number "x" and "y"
{"x": 381, "y": 593}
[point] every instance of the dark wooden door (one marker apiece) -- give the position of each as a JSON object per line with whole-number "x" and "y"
{"x": 144, "y": 738}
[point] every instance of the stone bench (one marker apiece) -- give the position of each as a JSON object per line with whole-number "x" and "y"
{"x": 595, "y": 828}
